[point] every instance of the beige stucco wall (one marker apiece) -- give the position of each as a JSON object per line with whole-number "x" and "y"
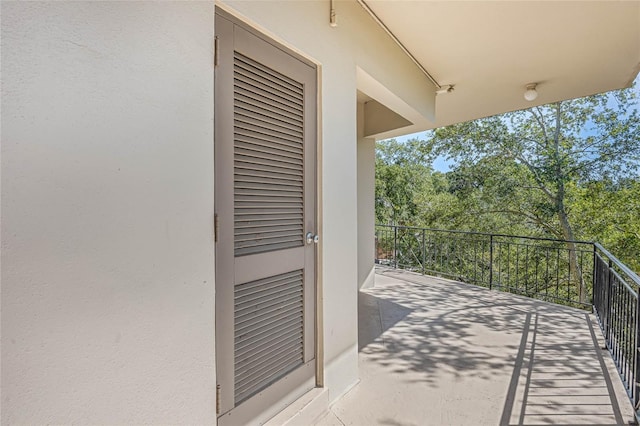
{"x": 357, "y": 43}
{"x": 366, "y": 207}
{"x": 107, "y": 204}
{"x": 107, "y": 199}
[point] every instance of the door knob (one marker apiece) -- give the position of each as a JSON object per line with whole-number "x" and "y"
{"x": 311, "y": 238}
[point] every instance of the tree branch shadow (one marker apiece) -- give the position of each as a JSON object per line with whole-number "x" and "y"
{"x": 444, "y": 330}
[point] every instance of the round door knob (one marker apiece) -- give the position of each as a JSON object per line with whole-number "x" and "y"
{"x": 312, "y": 238}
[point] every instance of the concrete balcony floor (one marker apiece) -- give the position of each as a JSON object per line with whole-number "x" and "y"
{"x": 440, "y": 352}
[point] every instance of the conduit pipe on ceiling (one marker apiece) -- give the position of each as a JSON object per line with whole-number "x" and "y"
{"x": 366, "y": 7}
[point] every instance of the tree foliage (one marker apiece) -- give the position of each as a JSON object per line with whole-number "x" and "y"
{"x": 567, "y": 170}
{"x": 408, "y": 191}
{"x": 610, "y": 214}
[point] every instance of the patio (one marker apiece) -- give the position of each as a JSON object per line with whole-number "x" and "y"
{"x": 436, "y": 351}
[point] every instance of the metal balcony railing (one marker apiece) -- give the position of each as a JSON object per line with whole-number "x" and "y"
{"x": 580, "y": 274}
{"x": 616, "y": 304}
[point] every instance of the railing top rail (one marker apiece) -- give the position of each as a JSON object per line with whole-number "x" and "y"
{"x": 486, "y": 234}
{"x": 624, "y": 268}
{"x": 633, "y": 292}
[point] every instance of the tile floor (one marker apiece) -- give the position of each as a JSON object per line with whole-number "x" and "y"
{"x": 439, "y": 352}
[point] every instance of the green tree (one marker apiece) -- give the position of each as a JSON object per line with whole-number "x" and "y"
{"x": 402, "y": 181}
{"x": 409, "y": 192}
{"x": 532, "y": 157}
{"x": 609, "y": 213}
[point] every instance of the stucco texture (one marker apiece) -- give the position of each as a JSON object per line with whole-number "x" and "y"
{"x": 107, "y": 205}
{"x": 107, "y": 199}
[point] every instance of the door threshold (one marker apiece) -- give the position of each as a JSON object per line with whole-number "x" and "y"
{"x": 306, "y": 410}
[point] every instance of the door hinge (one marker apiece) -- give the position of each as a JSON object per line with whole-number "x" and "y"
{"x": 217, "y": 399}
{"x": 216, "y": 227}
{"x": 216, "y": 49}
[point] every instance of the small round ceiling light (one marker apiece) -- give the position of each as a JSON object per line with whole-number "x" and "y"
{"x": 531, "y": 93}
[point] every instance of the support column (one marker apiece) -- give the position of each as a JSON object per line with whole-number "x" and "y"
{"x": 366, "y": 208}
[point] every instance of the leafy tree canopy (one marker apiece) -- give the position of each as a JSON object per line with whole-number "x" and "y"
{"x": 567, "y": 170}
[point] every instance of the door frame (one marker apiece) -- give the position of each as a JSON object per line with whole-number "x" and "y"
{"x": 228, "y": 13}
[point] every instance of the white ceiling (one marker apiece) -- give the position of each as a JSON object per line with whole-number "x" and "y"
{"x": 491, "y": 49}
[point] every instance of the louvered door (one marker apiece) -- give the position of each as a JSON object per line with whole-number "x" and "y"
{"x": 265, "y": 201}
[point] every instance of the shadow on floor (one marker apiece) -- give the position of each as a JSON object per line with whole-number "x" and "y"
{"x": 370, "y": 309}
{"x": 434, "y": 351}
{"x": 557, "y": 378}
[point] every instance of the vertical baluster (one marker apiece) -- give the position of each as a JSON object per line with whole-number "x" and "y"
{"x": 569, "y": 280}
{"x": 537, "y": 264}
{"x": 395, "y": 246}
{"x": 546, "y": 276}
{"x": 475, "y": 262}
{"x": 557, "y": 271}
{"x": 582, "y": 271}
{"x": 597, "y": 284}
{"x": 517, "y": 267}
{"x": 498, "y": 259}
{"x": 430, "y": 245}
{"x": 526, "y": 269}
{"x": 609, "y": 286}
{"x": 490, "y": 262}
{"x": 626, "y": 335}
{"x": 509, "y": 265}
{"x": 616, "y": 312}
{"x": 636, "y": 364}
{"x": 424, "y": 253}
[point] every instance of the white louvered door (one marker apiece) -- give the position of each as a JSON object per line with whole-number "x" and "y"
{"x": 265, "y": 150}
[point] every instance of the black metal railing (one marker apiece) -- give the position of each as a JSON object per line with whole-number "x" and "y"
{"x": 616, "y": 304}
{"x": 540, "y": 268}
{"x": 580, "y": 274}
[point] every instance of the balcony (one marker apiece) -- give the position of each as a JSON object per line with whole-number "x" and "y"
{"x": 439, "y": 351}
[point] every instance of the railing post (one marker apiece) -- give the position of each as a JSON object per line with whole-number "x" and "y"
{"x": 607, "y": 286}
{"x": 597, "y": 297}
{"x": 636, "y": 367}
{"x": 395, "y": 246}
{"x": 490, "y": 262}
{"x": 424, "y": 253}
